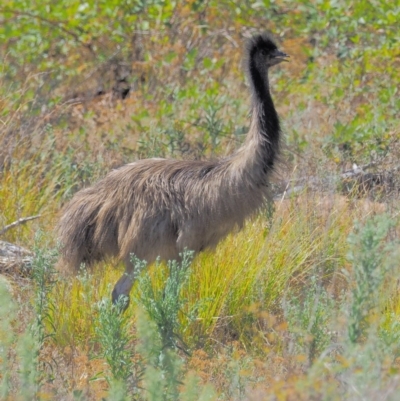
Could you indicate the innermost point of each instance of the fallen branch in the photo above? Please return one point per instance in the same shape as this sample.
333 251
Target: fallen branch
17 223
367 180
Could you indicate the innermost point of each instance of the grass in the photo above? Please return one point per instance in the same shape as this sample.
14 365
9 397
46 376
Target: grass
302 303
249 267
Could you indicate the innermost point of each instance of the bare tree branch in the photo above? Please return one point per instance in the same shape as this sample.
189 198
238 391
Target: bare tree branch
17 223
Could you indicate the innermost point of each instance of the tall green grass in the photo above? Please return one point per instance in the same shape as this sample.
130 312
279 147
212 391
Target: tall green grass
252 267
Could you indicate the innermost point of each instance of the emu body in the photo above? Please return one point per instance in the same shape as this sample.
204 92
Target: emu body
158 207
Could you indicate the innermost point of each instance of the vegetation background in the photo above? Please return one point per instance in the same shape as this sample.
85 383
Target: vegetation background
303 304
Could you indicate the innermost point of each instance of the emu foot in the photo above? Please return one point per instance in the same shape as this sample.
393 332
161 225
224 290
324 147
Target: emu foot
120 301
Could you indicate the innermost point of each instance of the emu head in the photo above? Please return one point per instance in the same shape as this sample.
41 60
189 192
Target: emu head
264 53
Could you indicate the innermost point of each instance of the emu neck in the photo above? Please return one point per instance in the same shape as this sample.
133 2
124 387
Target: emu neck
265 122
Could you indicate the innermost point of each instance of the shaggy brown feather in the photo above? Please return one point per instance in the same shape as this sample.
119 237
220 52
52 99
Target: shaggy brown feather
158 207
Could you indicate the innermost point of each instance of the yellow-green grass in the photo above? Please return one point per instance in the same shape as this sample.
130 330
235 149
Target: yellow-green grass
35 182
253 267
27 188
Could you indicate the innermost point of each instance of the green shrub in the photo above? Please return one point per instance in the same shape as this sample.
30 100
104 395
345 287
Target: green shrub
114 337
372 260
309 317
165 304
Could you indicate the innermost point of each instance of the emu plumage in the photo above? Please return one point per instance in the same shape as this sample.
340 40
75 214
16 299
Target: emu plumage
158 207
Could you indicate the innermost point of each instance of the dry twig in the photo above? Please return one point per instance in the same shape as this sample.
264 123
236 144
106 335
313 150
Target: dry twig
17 223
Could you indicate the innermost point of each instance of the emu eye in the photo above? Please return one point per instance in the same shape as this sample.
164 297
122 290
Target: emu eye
263 52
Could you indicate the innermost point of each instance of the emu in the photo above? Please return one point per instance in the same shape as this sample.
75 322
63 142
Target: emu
158 207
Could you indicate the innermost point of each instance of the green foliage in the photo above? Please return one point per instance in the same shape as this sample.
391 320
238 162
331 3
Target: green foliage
43 275
372 259
163 374
114 337
158 335
112 333
389 334
28 341
7 337
118 391
309 317
165 304
33 372
30 371
212 124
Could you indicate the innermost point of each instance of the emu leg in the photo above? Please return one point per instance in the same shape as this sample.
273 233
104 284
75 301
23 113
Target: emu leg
124 286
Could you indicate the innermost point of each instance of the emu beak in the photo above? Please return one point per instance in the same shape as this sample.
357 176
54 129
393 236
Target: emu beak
279 56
